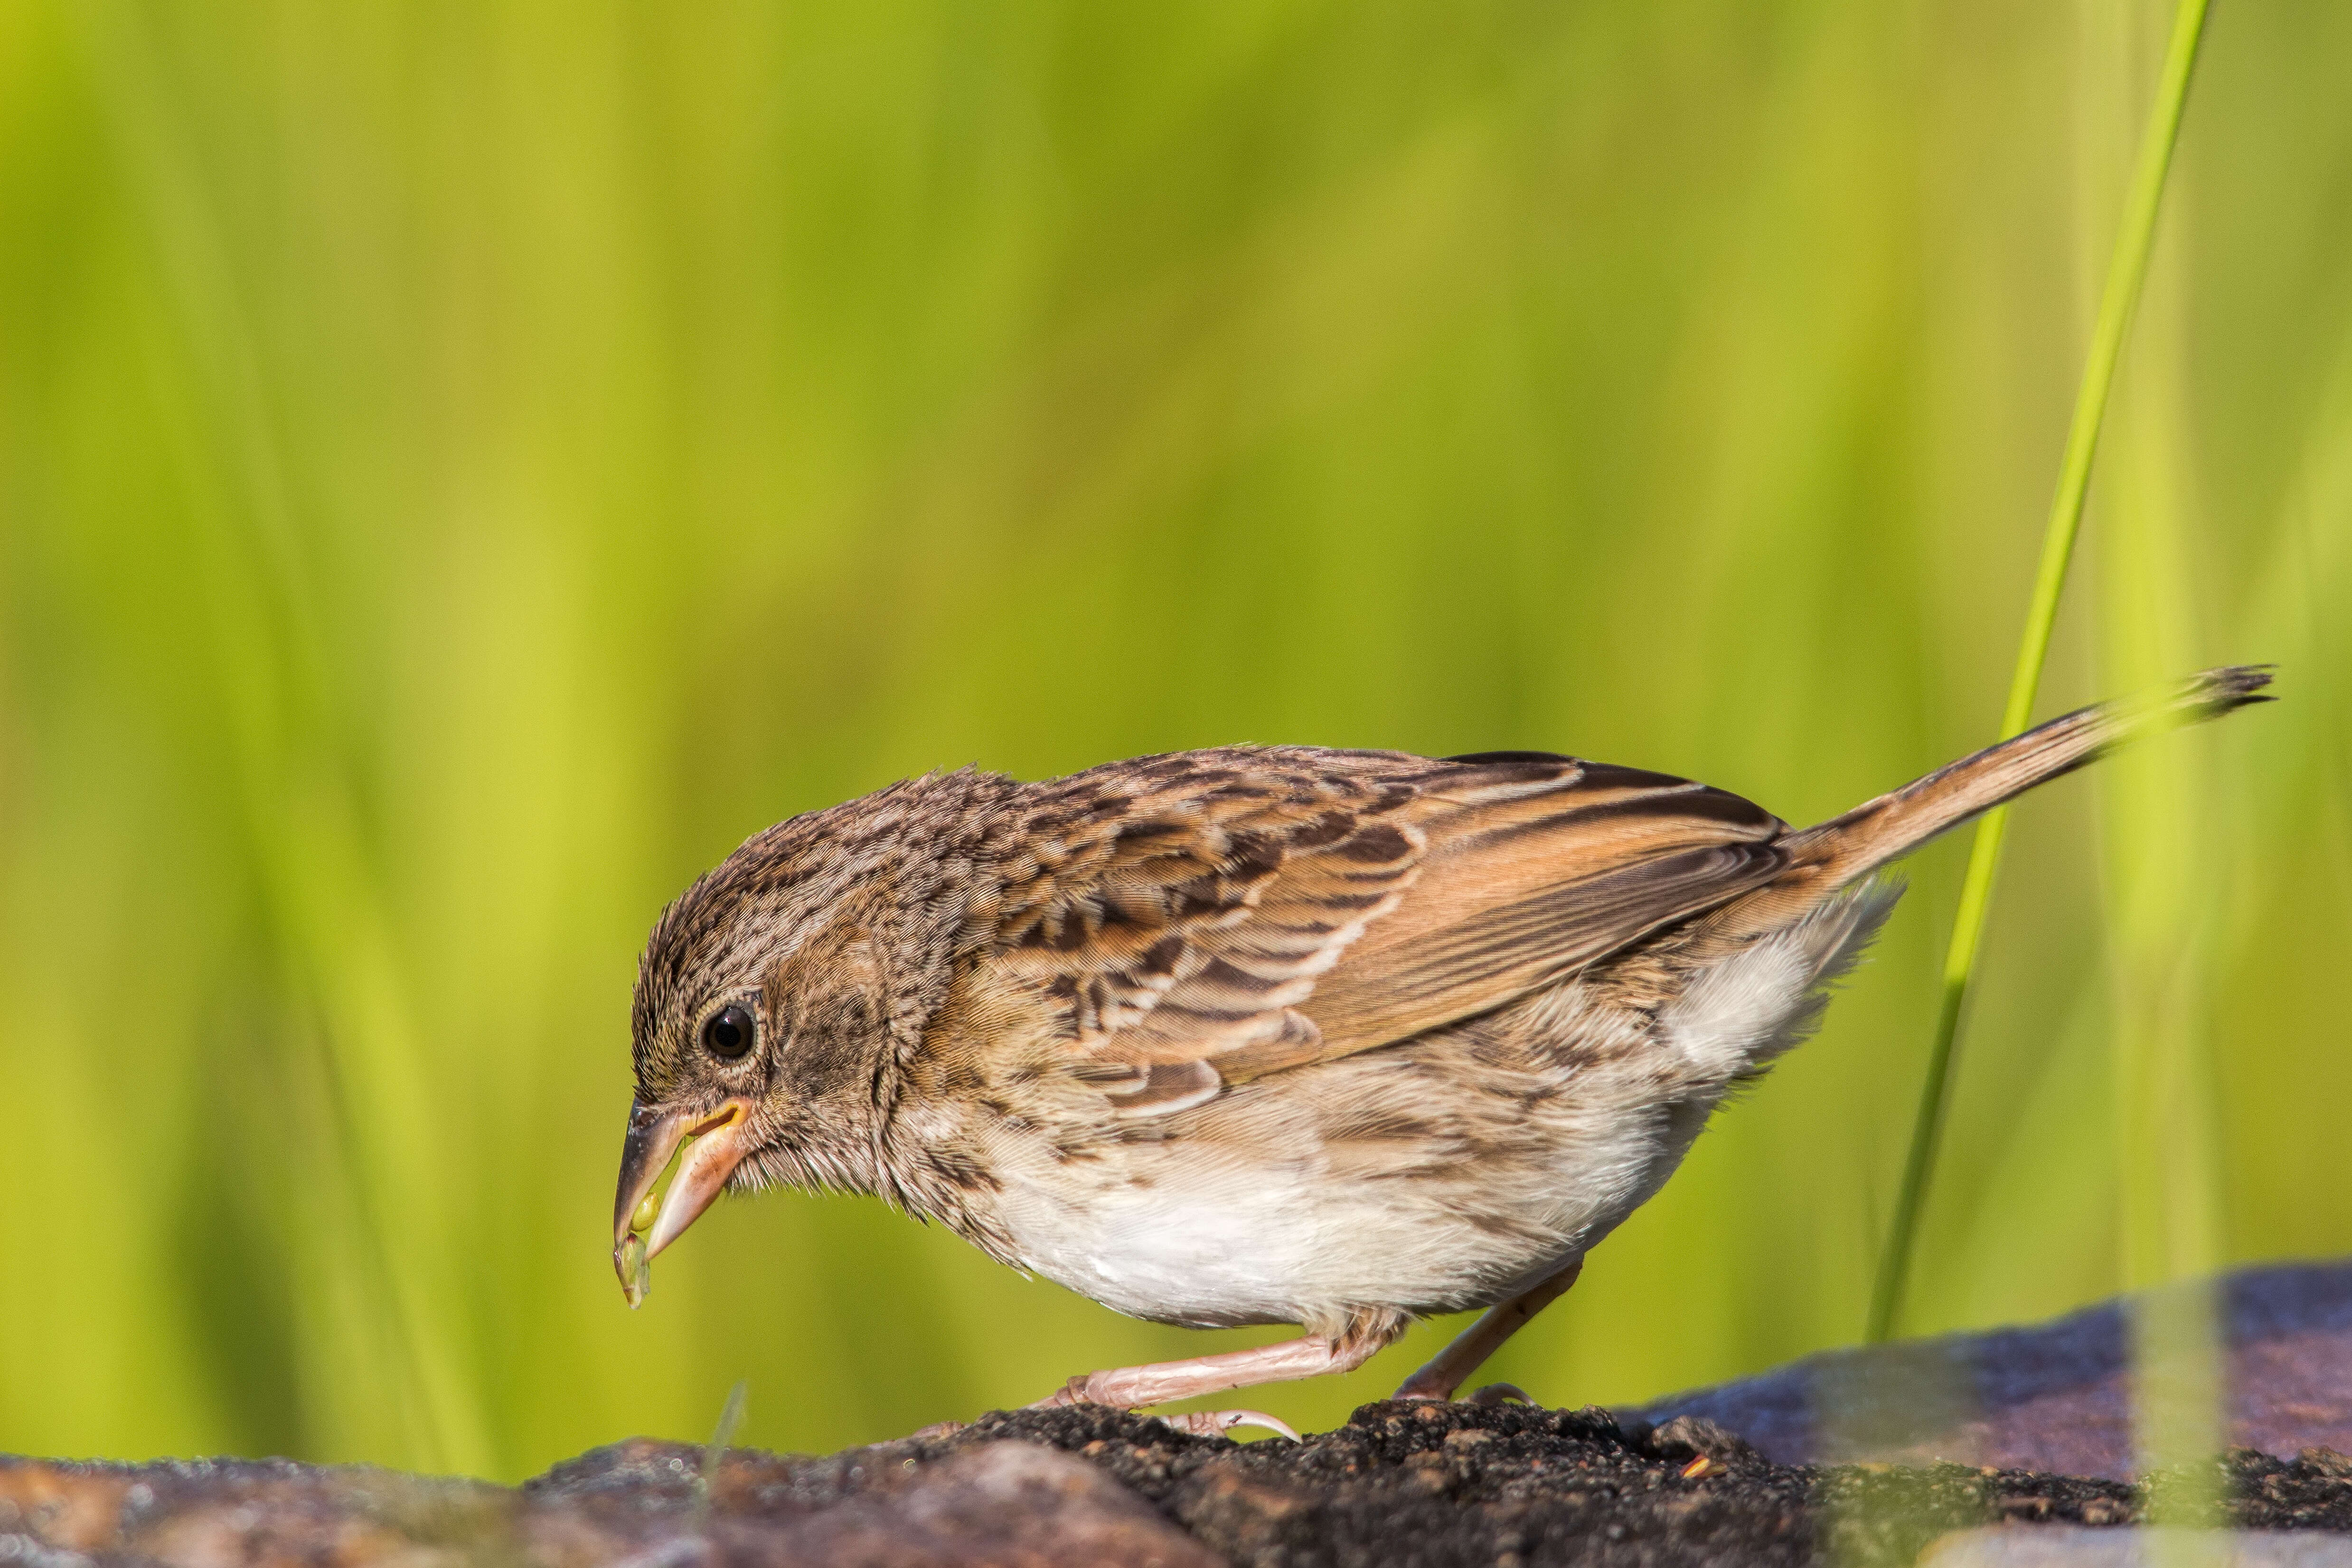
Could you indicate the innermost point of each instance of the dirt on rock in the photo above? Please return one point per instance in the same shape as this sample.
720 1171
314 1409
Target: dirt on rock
1438 1485
1402 1485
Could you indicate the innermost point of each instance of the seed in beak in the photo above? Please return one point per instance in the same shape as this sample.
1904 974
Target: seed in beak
647 1208
636 1273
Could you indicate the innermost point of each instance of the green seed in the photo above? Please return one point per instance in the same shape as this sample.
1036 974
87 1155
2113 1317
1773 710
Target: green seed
636 1271
644 1218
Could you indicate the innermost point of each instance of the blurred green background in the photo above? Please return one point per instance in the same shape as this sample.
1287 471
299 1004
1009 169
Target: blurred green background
463 467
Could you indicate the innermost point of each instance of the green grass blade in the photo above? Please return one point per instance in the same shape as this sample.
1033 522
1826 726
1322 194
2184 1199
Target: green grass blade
2126 269
731 1421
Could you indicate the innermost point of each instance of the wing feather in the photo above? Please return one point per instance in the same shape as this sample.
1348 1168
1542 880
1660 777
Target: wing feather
1206 918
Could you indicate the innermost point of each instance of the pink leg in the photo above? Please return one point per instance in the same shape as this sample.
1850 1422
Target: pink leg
1452 1367
1130 1387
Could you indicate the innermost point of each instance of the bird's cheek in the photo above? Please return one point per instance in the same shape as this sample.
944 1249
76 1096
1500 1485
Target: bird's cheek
818 1066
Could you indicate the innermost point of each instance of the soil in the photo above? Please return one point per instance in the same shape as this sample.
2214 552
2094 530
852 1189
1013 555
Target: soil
1429 1485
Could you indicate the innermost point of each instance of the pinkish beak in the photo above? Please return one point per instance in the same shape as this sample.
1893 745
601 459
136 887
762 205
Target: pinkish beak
719 1141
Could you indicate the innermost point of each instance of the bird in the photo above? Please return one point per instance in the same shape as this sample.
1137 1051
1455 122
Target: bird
1270 1034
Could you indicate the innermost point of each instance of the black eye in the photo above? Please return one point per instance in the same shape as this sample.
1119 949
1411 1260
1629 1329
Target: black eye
727 1033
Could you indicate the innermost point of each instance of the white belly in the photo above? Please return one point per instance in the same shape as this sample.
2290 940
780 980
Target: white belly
1195 1233
1423 1178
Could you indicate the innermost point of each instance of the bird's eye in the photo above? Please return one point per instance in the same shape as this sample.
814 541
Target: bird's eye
727 1033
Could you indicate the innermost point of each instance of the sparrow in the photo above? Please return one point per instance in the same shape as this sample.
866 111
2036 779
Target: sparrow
1269 1034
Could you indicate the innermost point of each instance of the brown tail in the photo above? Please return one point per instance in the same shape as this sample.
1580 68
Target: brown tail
1845 848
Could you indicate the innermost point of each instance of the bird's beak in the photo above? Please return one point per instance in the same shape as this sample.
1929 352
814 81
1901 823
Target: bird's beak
718 1147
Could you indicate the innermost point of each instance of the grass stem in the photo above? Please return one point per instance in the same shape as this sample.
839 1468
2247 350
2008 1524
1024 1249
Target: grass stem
2126 269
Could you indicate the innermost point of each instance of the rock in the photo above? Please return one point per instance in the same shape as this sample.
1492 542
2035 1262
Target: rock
1704 1478
2070 1546
2055 1397
889 1507
1001 1503
1410 1483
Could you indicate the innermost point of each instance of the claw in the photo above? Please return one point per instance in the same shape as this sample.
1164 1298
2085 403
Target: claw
1217 1423
1199 1423
1500 1394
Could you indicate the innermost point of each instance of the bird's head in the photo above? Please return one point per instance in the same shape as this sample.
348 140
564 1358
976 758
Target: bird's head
774 999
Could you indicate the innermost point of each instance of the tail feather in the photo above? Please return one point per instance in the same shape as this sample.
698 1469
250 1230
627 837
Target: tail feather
1876 831
1837 853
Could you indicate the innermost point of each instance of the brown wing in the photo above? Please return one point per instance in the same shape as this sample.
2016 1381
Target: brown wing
1535 867
1177 909
1213 916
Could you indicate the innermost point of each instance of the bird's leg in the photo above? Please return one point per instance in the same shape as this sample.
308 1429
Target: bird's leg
1162 1382
1452 1367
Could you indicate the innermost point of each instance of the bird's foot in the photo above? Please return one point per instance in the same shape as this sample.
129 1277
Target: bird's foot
1492 1393
1500 1394
1073 1392
1217 1423
1199 1423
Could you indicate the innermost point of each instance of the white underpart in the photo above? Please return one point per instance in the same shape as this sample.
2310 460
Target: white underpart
1736 1018
1208 1237
1751 1007
1219 1253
